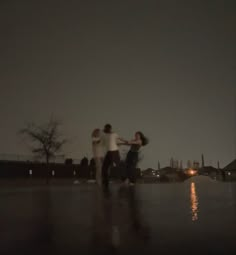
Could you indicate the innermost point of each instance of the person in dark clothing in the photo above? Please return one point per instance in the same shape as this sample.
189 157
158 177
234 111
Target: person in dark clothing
133 157
111 142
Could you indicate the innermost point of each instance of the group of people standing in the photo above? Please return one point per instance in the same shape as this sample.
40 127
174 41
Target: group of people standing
105 144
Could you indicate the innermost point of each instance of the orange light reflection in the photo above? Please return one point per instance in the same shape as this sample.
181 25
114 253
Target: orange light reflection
194 202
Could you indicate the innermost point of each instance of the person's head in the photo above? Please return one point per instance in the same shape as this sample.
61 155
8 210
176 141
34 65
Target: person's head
107 128
96 132
140 136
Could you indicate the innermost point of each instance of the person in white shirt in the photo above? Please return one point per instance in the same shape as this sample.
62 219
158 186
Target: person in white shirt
98 154
111 141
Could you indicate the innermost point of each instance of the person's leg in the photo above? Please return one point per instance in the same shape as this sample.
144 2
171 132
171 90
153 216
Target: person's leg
127 167
132 175
132 167
98 163
124 172
105 167
116 158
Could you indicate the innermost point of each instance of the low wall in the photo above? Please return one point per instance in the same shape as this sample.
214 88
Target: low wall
39 170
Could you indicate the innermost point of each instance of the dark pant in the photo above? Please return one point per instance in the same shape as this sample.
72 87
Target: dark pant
111 158
131 164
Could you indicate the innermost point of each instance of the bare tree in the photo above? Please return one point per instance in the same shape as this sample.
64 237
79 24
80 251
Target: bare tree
46 139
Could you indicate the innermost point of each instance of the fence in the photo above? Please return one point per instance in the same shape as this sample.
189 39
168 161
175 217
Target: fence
32 158
20 169
27 169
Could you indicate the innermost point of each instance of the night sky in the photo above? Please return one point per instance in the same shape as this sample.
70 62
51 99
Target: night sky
167 68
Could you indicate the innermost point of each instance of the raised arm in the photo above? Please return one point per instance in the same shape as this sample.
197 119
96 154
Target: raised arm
120 140
139 142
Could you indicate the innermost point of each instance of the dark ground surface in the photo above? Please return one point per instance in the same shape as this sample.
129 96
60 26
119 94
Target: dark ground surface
62 218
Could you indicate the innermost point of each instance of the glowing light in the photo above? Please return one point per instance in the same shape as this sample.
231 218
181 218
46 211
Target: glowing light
192 172
194 202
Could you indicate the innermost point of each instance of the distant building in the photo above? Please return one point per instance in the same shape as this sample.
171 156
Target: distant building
196 165
211 171
229 171
149 172
203 161
189 164
231 166
174 163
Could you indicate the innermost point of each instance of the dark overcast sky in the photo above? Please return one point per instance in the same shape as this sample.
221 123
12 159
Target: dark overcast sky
164 67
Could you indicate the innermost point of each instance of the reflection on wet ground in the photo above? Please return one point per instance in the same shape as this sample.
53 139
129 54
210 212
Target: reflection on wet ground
190 218
117 223
194 201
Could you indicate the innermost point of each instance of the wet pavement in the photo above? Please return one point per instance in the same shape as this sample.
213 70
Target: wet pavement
186 218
